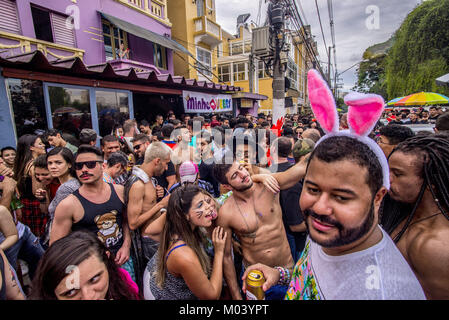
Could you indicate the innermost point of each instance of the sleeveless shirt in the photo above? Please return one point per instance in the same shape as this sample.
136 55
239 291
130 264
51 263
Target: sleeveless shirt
173 289
105 219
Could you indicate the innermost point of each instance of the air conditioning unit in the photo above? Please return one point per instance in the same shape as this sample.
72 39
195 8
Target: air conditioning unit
261 42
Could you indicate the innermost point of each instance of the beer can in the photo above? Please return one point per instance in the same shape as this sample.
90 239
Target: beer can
254 282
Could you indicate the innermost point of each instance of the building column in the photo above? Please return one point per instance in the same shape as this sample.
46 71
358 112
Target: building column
7 126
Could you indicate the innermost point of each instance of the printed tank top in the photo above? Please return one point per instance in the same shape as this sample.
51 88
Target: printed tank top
105 219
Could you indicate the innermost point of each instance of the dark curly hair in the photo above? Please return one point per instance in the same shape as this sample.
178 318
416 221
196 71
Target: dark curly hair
72 250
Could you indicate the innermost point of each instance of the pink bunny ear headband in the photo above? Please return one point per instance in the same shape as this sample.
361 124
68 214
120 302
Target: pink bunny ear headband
363 113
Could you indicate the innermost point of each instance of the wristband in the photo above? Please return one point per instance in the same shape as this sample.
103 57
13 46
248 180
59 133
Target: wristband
284 276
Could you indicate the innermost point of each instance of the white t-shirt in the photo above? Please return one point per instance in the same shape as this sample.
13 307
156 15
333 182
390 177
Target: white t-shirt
377 273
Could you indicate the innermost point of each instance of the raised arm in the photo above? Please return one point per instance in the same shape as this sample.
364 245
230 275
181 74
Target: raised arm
228 263
184 261
284 180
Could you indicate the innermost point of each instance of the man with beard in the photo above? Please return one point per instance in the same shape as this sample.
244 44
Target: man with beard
96 206
254 214
140 144
348 255
419 173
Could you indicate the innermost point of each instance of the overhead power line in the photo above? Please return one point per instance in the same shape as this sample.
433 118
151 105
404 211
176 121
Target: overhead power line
321 26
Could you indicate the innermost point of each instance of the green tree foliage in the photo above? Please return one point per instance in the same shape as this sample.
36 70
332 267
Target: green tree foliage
420 52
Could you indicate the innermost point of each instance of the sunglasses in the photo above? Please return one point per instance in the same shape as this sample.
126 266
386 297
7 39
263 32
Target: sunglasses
89 164
137 146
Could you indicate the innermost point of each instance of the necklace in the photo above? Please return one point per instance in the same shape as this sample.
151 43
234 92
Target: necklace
433 215
249 235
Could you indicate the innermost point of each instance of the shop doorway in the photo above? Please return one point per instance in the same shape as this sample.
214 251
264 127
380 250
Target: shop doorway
148 106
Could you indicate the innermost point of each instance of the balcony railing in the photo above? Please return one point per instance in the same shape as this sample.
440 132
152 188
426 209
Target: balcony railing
209 31
13 44
157 9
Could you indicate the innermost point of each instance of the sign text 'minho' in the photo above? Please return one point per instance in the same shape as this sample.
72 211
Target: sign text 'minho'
196 102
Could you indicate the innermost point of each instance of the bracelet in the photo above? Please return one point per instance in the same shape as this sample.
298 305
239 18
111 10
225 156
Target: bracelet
284 276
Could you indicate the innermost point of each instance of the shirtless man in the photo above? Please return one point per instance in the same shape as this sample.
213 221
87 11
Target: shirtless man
96 207
183 151
143 209
424 239
253 213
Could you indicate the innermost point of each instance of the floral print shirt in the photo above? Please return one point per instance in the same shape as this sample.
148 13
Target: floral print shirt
303 285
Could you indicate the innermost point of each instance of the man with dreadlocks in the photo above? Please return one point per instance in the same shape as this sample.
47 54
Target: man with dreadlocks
419 173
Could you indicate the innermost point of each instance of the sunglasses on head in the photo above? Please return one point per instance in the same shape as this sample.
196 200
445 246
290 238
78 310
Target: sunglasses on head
89 164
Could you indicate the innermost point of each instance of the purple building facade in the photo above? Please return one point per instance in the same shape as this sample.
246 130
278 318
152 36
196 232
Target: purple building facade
79 28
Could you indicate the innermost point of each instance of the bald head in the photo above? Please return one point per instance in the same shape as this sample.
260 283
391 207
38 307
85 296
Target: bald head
312 134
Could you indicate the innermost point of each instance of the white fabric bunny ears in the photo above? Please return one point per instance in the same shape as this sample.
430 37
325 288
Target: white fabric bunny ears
363 113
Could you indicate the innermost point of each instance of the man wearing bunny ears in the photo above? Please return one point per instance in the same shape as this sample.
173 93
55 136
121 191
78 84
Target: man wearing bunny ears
347 254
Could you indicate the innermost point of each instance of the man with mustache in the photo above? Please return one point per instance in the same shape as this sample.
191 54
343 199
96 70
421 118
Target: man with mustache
347 255
254 214
94 201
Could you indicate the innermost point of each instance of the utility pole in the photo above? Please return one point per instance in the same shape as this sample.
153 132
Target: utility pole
251 71
277 20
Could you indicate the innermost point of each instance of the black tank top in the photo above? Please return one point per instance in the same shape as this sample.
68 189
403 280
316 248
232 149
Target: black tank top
3 287
104 219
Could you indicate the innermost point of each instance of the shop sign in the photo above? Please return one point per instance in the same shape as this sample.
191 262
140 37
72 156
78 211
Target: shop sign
197 102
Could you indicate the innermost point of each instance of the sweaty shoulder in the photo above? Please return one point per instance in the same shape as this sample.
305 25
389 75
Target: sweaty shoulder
67 205
181 258
120 191
429 258
137 187
225 213
429 250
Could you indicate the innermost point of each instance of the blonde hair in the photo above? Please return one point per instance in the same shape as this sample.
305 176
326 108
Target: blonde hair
157 150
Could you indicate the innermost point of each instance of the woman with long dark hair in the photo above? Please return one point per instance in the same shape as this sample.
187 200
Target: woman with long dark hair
29 147
79 267
60 163
181 269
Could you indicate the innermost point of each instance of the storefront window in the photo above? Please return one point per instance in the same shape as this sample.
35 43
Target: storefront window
113 108
27 98
70 109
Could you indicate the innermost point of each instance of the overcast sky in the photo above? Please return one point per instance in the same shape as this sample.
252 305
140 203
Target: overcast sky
356 26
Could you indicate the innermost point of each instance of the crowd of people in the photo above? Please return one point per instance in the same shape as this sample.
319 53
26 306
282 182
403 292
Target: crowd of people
185 207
